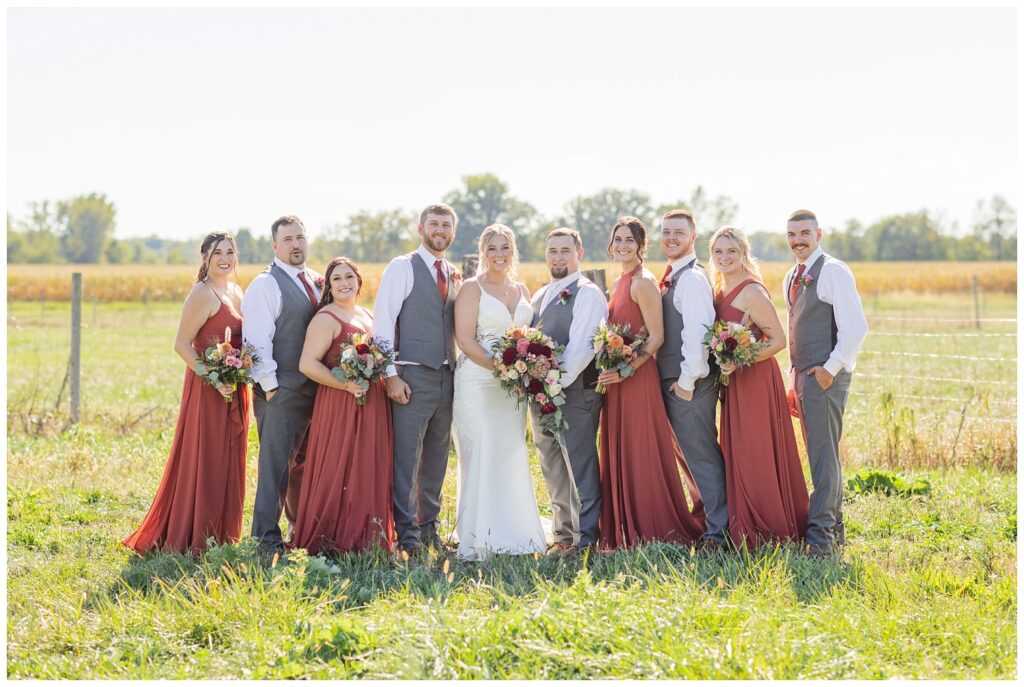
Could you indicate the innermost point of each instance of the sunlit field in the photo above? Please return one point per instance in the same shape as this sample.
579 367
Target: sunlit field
926 587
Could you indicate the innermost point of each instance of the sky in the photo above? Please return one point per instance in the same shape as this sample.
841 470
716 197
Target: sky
191 120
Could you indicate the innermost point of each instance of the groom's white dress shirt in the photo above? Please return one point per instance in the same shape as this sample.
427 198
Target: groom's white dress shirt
695 301
837 287
395 286
261 306
589 309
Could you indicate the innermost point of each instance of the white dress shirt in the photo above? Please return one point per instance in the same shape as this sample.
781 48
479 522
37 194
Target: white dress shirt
395 286
695 301
261 306
589 309
837 287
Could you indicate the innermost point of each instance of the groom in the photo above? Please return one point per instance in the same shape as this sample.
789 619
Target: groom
415 309
569 309
826 329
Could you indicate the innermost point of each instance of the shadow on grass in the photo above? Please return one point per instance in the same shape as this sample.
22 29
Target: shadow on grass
355 580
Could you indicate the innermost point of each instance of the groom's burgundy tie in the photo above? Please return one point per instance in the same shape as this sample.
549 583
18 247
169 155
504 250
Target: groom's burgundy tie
309 289
796 282
664 278
442 283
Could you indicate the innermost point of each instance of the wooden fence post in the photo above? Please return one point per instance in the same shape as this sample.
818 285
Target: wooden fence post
76 345
977 303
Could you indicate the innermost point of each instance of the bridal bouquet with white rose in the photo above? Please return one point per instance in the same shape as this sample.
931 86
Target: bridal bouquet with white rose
526 364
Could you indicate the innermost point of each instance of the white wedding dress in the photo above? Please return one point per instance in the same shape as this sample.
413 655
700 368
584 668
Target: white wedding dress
497 509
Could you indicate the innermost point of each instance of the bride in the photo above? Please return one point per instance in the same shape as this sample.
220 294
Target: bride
497 509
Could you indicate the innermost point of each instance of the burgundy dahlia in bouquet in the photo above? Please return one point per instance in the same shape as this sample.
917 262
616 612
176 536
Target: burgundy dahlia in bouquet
615 348
526 364
732 342
221 364
363 359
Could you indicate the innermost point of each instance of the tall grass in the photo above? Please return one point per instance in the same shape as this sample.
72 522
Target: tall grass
116 283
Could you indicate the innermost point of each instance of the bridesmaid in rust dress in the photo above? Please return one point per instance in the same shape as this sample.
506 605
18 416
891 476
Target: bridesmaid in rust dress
642 496
765 488
345 499
203 486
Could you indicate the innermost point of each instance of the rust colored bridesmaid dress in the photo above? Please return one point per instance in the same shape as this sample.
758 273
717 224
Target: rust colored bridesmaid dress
765 488
201 492
345 499
642 497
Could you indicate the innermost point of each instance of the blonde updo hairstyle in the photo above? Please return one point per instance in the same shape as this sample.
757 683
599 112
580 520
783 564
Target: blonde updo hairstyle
747 261
485 240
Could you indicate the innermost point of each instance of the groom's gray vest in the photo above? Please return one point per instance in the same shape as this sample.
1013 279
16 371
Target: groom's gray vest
812 323
555 321
290 332
670 355
425 330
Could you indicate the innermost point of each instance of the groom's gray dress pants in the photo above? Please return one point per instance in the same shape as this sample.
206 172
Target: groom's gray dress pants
822 423
693 423
422 435
281 424
569 463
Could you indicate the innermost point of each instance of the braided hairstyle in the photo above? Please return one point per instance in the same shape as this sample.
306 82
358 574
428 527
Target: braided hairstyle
206 248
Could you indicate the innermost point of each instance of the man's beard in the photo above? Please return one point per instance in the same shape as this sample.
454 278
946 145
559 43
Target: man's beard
445 242
296 259
559 272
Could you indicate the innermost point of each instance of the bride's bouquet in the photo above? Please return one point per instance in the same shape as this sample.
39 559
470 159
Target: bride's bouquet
732 342
363 359
526 364
615 348
224 365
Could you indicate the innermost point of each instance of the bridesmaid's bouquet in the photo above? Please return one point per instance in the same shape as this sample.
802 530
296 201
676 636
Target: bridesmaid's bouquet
615 348
223 364
526 364
732 342
363 359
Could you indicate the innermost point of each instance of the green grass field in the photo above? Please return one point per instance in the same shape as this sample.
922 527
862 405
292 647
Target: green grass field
925 589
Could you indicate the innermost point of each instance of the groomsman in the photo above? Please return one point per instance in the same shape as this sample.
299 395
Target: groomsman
689 389
415 309
276 309
826 329
569 309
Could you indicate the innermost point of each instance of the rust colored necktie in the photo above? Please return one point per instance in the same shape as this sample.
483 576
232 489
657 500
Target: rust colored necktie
442 283
309 289
796 282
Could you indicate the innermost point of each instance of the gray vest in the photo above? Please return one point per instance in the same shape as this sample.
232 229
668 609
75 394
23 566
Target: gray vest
555 321
425 330
670 355
290 332
812 324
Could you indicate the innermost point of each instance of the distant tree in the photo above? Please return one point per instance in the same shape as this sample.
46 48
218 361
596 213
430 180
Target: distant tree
34 239
367 237
485 200
846 244
908 236
595 215
996 225
769 246
87 224
253 250
118 252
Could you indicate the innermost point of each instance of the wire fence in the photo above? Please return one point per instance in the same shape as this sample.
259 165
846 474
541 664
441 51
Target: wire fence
918 373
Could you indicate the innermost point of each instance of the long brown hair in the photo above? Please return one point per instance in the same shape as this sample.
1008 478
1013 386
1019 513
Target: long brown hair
206 249
637 229
327 296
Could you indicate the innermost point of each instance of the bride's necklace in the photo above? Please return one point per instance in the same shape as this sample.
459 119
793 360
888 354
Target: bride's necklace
505 288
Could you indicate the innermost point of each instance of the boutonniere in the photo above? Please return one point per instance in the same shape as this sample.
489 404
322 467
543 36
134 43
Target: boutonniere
319 281
665 283
456 277
564 296
805 280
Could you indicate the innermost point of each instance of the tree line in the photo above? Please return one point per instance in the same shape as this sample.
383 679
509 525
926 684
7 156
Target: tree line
82 230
